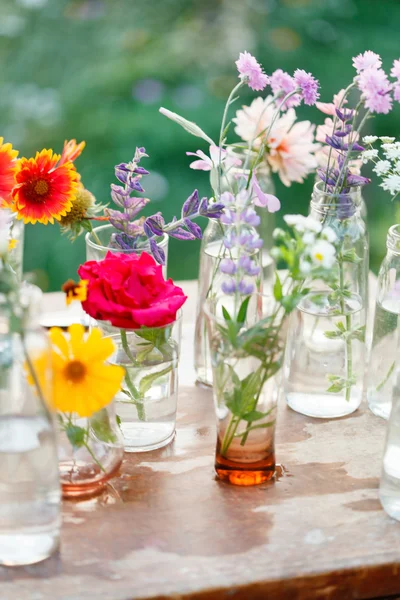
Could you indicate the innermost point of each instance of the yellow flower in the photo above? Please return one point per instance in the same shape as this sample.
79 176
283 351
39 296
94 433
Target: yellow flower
12 244
75 291
82 382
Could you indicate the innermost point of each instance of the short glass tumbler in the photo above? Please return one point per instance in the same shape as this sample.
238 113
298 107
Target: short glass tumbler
325 352
99 242
383 382
147 403
30 498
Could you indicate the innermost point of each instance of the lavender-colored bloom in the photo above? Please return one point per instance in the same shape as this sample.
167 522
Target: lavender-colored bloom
228 218
119 194
251 72
309 86
250 217
154 225
343 132
357 180
375 88
334 141
344 116
157 252
214 211
262 199
228 287
131 168
227 266
248 266
254 242
245 288
227 198
194 228
191 205
283 84
121 175
395 72
123 241
181 234
367 60
134 183
230 240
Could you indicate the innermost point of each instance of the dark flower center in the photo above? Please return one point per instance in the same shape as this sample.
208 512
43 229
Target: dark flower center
41 187
75 371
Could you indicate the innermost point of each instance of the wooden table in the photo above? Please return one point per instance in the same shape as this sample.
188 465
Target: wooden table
167 529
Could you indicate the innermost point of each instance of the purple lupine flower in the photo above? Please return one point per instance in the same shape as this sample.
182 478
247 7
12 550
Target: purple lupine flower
228 287
283 84
308 85
227 266
262 199
254 242
245 288
191 205
250 217
157 252
227 198
248 266
251 72
367 60
228 218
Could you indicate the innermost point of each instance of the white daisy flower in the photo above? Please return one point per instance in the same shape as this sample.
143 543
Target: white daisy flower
370 139
391 184
309 238
323 254
329 234
386 139
382 167
369 155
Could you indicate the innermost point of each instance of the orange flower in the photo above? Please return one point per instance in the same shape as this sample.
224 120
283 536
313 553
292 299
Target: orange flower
71 151
44 190
8 165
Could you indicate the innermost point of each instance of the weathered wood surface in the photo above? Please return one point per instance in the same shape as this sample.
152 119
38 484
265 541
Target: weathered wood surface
167 529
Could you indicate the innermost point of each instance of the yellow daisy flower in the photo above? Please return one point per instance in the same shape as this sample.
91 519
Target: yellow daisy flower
82 382
75 291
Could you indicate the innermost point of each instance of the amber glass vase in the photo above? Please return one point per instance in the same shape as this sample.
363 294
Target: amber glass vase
245 396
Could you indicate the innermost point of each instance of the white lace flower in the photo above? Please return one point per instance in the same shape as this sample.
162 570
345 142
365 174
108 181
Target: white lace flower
369 155
382 167
302 223
323 254
391 184
309 238
329 234
370 139
386 139
391 150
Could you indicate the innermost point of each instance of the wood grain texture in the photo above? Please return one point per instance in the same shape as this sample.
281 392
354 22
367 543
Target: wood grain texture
167 529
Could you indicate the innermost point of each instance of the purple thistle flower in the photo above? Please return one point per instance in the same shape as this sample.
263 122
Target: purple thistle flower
367 60
308 85
251 72
191 205
157 252
228 287
283 84
227 266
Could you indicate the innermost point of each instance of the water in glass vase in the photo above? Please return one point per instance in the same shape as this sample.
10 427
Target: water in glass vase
389 489
383 374
318 358
29 490
148 422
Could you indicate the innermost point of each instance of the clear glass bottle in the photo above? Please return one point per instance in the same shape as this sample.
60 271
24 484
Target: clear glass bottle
16 241
383 369
389 488
212 252
326 352
29 480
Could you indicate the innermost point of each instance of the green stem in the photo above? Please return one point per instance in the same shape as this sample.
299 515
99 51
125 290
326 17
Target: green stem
98 463
229 434
93 232
135 395
227 105
349 349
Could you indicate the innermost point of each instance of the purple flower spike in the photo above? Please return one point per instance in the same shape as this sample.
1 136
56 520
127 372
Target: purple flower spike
194 228
214 211
154 225
181 234
119 194
229 217
134 184
344 116
191 205
250 217
334 141
228 287
353 147
227 266
357 180
157 252
121 175
245 288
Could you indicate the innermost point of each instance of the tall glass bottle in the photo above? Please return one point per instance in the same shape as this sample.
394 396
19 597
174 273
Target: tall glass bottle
212 251
383 369
325 353
389 488
29 480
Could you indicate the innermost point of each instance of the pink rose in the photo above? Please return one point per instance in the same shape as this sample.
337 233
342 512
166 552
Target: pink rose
130 291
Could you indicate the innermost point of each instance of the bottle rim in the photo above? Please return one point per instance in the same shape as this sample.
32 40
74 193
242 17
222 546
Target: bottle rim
393 239
323 201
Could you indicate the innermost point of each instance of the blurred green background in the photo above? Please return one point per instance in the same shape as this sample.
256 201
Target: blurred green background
97 70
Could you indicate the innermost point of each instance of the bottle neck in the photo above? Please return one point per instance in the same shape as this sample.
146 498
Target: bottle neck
393 240
341 206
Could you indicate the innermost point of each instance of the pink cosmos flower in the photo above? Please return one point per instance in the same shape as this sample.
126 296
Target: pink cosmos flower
366 61
395 72
282 84
330 108
251 71
261 199
206 163
309 86
290 145
375 88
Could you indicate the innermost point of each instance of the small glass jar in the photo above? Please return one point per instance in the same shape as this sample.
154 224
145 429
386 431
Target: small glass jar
98 244
147 403
245 395
325 352
383 369
389 488
90 451
30 498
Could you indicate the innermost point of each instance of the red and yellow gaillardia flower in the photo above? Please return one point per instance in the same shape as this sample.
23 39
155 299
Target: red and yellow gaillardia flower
71 151
8 164
44 190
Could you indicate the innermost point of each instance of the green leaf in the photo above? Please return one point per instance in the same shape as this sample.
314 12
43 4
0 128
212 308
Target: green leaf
147 381
331 335
118 419
100 424
76 435
255 415
188 125
358 334
350 256
277 288
241 318
226 315
225 132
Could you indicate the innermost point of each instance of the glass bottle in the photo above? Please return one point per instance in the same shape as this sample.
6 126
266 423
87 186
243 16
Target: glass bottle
383 369
212 251
29 480
325 352
389 488
16 242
